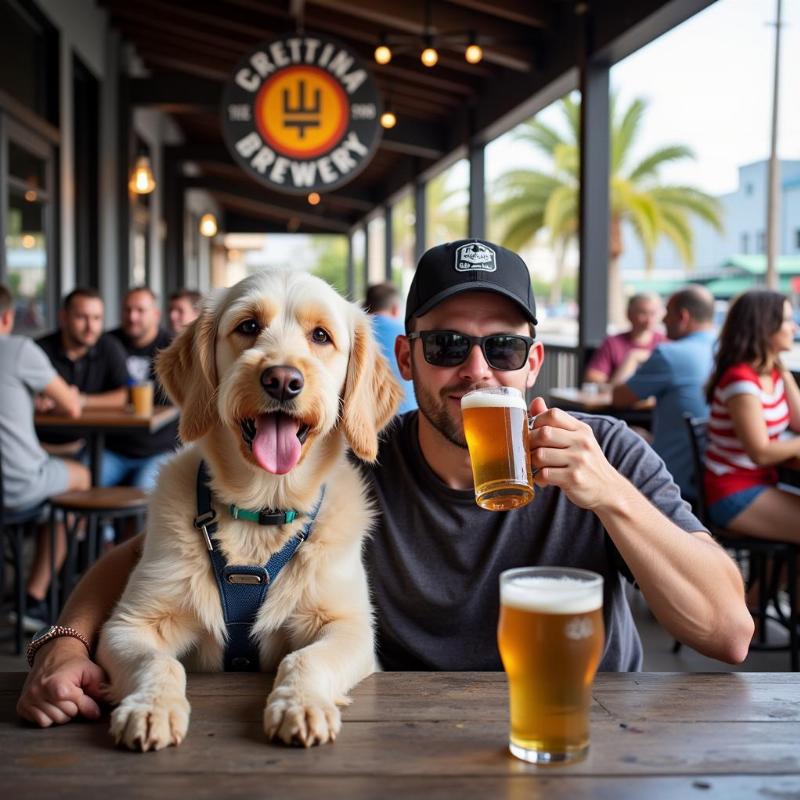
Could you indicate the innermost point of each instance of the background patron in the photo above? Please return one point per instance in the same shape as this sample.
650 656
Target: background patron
618 356
134 459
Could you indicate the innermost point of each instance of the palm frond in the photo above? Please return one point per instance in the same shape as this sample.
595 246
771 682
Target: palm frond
539 135
623 133
561 212
675 226
648 167
703 205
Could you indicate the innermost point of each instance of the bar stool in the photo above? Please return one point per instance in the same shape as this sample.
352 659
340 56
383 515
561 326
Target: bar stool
96 505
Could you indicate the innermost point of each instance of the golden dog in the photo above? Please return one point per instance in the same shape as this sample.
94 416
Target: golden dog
275 379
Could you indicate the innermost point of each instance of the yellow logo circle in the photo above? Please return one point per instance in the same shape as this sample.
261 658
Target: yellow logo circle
302 112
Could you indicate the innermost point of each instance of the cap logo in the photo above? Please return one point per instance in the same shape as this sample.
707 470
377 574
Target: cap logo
475 256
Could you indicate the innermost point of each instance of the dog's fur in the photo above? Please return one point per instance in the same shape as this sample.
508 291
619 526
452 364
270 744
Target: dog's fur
316 626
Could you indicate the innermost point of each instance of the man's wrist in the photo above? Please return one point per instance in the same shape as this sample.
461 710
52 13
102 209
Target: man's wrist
58 638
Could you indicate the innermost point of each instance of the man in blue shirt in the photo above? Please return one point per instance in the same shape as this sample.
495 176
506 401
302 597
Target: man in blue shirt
676 374
384 304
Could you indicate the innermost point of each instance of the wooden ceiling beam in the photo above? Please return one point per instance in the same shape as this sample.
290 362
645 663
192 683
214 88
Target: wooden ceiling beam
503 38
223 176
263 204
533 13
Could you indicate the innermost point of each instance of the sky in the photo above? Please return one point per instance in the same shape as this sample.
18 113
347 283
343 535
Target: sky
708 83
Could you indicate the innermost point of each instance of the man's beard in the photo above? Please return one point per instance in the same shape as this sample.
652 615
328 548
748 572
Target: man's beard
434 409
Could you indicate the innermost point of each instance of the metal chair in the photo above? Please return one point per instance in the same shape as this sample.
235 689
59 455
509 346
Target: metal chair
762 561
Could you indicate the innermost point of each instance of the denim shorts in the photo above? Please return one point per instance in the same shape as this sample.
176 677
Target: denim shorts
723 511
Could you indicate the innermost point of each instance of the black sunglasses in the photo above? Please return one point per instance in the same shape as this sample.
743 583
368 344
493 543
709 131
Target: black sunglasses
503 351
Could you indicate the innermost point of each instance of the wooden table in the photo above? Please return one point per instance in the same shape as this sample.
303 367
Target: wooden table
572 399
434 735
94 425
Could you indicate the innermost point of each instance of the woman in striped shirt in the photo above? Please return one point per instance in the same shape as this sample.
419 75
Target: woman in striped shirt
754 400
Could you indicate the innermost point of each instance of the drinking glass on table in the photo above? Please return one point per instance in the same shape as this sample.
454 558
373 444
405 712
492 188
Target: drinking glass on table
142 398
550 636
496 428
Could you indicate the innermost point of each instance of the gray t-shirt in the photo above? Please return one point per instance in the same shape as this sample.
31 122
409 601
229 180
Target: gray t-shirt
435 556
24 371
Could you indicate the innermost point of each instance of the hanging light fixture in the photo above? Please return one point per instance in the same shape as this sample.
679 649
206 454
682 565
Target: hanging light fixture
208 225
141 179
474 52
383 53
388 117
429 56
429 41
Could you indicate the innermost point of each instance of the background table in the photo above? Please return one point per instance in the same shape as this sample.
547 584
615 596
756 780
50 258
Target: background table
572 399
94 425
434 735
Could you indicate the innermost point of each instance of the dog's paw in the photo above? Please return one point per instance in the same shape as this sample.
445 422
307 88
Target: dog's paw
143 722
297 719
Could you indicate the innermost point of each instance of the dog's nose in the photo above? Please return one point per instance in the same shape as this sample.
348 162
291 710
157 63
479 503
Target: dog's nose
282 383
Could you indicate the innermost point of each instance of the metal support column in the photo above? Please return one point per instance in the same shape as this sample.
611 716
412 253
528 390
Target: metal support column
420 219
477 192
594 196
351 271
388 243
366 257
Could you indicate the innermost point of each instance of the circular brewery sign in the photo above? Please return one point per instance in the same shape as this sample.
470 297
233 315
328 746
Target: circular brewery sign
300 114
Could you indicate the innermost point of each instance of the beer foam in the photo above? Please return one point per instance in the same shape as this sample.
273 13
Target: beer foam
492 400
552 595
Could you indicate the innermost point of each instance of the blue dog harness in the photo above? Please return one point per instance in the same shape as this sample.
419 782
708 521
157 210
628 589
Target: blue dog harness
243 588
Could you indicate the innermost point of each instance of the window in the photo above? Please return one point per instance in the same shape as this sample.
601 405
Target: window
797 239
748 188
745 242
29 268
760 243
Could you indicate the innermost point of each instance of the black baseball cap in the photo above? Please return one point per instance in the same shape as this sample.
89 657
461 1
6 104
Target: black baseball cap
469 265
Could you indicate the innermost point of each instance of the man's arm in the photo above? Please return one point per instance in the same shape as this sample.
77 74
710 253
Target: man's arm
66 398
689 582
116 398
651 378
64 681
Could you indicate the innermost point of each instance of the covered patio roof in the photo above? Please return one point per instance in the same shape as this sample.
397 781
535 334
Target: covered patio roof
533 51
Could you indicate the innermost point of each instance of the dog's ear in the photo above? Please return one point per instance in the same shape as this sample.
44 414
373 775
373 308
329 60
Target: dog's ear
371 393
187 371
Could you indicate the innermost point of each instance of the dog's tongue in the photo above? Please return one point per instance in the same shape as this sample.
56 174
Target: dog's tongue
276 446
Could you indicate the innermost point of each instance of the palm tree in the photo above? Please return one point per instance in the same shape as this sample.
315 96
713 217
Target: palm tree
532 200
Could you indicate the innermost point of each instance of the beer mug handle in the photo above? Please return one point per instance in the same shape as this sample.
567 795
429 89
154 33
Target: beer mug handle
534 470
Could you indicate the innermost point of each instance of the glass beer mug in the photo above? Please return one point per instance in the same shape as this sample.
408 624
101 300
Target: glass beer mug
550 636
496 429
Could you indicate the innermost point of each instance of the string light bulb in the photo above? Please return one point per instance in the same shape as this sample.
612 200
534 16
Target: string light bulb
383 54
141 179
388 119
208 225
474 52
429 56
314 199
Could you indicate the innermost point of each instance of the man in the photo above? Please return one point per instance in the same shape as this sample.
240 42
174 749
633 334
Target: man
30 475
383 303
676 374
618 356
91 362
134 459
184 307
435 557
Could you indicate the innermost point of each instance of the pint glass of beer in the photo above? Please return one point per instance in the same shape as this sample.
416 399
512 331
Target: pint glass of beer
496 427
550 637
